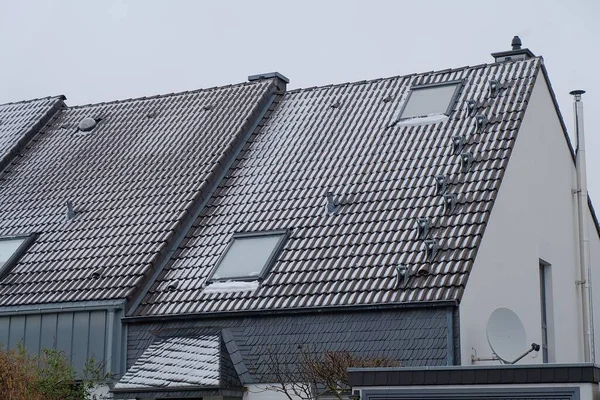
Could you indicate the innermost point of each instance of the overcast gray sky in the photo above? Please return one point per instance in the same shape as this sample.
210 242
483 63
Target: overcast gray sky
94 51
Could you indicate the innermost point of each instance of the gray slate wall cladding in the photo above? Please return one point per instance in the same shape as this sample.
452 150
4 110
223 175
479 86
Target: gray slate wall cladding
414 337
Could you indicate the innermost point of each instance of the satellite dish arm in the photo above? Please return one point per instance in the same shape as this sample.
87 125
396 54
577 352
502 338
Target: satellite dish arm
534 347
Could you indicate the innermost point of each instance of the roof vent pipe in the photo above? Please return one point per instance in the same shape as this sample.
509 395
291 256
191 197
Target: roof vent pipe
584 240
423 270
97 273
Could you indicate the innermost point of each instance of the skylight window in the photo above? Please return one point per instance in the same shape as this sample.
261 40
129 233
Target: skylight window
428 100
11 248
249 256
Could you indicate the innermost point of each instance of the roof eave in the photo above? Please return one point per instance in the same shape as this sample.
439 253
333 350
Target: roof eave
289 311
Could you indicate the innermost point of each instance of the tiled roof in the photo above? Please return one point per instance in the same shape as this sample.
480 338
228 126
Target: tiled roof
342 139
132 181
177 362
19 120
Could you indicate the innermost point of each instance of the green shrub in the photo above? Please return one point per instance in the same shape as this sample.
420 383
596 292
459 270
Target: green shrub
48 377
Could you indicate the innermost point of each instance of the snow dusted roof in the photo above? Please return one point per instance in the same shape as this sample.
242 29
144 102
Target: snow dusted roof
20 121
346 139
156 199
176 362
133 182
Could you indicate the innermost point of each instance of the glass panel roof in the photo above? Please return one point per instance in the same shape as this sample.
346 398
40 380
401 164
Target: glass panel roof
429 101
247 257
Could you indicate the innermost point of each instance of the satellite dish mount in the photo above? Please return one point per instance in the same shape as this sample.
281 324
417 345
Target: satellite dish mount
506 337
534 347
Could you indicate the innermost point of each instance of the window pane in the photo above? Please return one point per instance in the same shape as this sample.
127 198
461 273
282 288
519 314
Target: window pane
8 248
247 257
546 311
428 101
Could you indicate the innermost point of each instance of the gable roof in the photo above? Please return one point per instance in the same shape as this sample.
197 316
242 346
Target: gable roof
343 139
20 121
133 181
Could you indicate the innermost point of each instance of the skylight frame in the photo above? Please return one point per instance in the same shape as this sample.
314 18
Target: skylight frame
459 84
28 240
283 233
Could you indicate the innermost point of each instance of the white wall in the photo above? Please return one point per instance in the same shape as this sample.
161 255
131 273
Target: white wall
534 218
263 392
595 278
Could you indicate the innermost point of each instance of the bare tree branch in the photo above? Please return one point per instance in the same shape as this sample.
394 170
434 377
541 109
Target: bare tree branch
313 375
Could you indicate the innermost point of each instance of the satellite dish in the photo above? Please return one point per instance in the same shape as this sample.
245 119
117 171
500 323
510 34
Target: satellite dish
506 335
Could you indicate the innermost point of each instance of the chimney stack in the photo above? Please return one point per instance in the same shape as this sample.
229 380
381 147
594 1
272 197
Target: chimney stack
517 53
282 80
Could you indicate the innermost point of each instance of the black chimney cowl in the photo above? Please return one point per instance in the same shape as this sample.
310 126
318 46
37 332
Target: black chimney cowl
516 43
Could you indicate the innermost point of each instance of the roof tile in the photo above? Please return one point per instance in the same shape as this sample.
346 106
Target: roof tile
384 175
131 181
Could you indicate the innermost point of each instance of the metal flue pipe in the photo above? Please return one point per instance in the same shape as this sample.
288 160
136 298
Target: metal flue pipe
584 238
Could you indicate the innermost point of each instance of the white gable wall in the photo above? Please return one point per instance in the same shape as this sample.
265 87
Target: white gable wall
595 257
534 218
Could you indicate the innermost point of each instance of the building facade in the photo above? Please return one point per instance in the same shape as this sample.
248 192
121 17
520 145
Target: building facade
201 244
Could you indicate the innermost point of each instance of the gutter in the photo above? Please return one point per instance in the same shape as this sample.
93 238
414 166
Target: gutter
166 389
191 391
287 311
62 307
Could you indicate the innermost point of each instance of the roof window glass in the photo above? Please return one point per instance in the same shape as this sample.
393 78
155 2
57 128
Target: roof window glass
10 249
430 100
249 256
